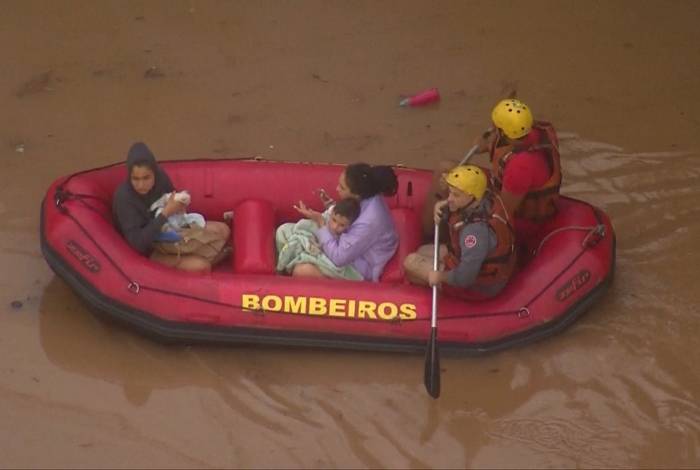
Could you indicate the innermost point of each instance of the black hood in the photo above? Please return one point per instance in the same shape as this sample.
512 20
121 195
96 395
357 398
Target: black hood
140 155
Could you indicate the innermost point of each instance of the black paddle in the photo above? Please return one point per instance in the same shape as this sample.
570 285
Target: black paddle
432 355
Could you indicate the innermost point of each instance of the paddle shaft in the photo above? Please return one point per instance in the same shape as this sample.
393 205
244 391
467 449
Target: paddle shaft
469 154
436 253
432 356
513 93
474 148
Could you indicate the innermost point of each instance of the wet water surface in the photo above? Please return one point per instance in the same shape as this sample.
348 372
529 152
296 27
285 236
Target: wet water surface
321 81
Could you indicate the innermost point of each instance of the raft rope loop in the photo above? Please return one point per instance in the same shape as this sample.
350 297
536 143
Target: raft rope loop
62 195
594 235
65 196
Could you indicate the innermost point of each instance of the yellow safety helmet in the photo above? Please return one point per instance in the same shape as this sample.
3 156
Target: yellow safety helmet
470 179
513 117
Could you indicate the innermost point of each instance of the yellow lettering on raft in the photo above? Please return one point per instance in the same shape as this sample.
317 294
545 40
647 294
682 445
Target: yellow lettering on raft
408 311
387 311
366 308
294 304
317 306
272 303
351 308
337 308
250 302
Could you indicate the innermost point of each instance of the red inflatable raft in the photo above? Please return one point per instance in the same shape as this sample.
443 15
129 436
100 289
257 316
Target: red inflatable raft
244 300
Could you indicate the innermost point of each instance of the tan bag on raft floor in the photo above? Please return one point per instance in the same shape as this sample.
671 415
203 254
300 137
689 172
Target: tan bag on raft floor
195 241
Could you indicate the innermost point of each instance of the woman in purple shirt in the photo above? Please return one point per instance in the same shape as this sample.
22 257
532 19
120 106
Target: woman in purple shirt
371 240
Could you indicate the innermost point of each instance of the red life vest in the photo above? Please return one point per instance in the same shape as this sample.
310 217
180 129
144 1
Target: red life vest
500 262
539 203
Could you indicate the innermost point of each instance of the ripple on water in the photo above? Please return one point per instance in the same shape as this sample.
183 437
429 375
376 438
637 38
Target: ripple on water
651 198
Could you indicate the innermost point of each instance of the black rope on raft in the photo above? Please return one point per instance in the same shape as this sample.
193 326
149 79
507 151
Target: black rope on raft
136 288
111 165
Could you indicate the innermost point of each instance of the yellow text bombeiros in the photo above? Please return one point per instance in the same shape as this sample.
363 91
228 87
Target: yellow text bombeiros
334 308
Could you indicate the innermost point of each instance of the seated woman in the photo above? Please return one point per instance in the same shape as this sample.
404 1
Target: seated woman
131 204
297 242
372 239
480 257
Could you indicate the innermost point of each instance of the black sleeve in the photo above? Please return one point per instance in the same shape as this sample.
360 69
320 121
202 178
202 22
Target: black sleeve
138 228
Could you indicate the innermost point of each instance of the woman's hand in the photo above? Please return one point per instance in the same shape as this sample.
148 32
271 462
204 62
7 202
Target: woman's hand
440 207
172 206
310 213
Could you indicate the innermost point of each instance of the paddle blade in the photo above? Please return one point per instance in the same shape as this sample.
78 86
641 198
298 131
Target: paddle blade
432 366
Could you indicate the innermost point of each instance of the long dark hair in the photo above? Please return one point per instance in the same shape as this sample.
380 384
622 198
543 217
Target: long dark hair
367 181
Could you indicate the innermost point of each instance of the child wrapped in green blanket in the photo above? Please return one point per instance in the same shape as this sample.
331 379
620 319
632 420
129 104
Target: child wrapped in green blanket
297 242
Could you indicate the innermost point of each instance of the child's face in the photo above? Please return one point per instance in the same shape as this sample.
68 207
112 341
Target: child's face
338 224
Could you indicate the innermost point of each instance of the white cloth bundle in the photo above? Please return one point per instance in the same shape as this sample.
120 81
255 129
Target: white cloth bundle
181 220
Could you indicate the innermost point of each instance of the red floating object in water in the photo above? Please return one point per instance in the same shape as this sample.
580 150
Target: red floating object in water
424 97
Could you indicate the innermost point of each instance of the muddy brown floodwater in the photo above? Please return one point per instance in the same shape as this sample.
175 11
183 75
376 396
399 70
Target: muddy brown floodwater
320 81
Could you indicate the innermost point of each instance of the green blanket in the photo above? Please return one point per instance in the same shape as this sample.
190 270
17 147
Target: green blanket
297 243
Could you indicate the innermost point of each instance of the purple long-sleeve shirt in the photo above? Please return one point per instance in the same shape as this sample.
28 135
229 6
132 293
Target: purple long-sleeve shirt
368 244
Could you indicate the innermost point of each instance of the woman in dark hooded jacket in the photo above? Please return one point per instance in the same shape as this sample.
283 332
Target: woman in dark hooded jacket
131 204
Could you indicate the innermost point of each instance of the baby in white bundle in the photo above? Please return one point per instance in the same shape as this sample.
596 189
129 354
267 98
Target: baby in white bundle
181 220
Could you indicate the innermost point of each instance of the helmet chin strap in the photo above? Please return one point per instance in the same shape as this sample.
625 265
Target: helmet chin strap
471 203
473 207
469 207
466 212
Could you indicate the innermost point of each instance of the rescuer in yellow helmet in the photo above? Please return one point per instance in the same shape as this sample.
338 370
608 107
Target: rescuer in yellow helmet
525 167
479 258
